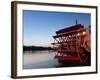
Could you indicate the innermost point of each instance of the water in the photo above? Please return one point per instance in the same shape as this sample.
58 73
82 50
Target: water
39 59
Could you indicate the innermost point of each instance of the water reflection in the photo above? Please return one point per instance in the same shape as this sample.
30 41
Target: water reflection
39 59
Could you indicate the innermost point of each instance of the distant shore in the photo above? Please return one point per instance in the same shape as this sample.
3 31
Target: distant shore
35 48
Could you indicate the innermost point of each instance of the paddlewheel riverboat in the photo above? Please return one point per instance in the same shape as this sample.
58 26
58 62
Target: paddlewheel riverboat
72 45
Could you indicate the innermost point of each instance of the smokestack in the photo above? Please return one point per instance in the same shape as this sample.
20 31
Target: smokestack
76 21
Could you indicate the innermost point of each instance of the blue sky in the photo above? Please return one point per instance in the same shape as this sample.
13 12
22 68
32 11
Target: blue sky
40 26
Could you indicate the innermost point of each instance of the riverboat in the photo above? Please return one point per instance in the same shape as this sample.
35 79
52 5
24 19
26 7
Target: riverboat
69 45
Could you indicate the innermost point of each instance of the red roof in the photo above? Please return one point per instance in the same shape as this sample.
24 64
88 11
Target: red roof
75 27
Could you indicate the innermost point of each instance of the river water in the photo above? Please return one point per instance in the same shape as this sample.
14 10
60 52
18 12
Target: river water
39 59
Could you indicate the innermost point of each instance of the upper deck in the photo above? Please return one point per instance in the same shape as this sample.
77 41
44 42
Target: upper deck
69 31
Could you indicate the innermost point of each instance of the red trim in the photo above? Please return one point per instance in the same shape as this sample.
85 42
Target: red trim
67 57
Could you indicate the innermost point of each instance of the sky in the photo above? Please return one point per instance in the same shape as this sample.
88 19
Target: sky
40 26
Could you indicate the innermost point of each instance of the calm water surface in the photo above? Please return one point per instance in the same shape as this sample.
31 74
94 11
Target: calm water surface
39 59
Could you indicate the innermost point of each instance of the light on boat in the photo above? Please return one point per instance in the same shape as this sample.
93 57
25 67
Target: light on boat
84 33
78 34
